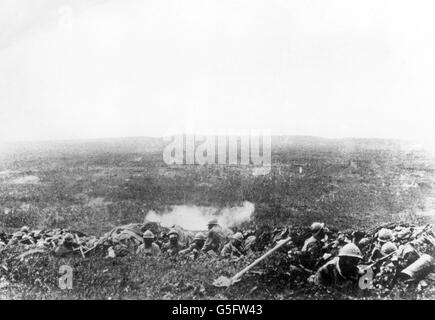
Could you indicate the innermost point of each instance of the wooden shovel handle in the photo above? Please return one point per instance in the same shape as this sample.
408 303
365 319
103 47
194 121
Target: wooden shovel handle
264 256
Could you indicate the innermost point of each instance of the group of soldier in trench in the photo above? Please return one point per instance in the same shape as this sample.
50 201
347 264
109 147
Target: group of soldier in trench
337 263
327 262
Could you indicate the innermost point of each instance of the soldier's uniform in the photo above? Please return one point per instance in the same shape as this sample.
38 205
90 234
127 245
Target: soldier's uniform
196 246
193 249
330 275
249 243
214 239
384 236
230 250
234 248
172 248
153 250
312 250
312 246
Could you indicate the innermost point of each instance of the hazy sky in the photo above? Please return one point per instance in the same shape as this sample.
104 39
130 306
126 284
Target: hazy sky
87 69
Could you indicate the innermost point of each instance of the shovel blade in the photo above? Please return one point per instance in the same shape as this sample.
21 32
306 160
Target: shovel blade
222 282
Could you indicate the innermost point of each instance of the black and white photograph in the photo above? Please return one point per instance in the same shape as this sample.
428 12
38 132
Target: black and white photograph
235 151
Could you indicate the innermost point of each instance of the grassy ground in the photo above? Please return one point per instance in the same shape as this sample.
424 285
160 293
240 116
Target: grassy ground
100 187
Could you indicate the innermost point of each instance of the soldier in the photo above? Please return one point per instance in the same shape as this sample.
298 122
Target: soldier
66 248
403 235
357 236
364 243
407 254
214 238
384 236
342 271
173 246
315 243
388 248
196 247
387 271
313 247
234 248
148 248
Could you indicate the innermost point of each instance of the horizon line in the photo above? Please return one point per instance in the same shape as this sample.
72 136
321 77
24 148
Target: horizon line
69 140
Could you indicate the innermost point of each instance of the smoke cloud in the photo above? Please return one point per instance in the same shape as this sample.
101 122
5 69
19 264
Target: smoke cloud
196 218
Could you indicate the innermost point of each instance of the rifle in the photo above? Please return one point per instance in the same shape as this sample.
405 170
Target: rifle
379 260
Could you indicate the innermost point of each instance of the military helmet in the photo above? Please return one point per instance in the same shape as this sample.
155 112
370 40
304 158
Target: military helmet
173 233
317 227
363 242
350 250
237 236
385 235
388 248
24 229
199 236
148 235
212 222
404 234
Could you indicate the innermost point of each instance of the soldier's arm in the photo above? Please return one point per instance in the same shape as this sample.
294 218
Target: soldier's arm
241 252
139 250
207 244
323 277
225 251
304 248
188 249
185 251
157 249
